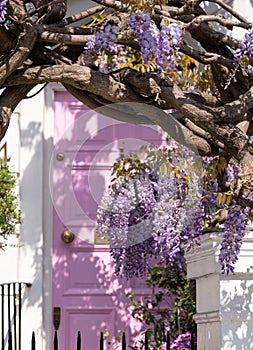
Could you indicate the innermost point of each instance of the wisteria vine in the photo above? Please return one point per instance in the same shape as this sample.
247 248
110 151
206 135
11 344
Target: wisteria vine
233 233
158 46
143 216
155 214
160 209
244 53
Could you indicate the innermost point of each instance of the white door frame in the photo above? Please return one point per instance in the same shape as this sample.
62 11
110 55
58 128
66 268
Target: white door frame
47 214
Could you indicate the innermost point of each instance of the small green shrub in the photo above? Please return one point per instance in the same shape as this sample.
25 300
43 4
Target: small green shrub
171 306
10 214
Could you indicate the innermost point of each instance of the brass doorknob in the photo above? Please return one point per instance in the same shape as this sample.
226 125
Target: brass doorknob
60 156
67 236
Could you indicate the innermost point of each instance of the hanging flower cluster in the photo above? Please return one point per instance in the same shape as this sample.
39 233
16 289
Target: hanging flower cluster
234 231
232 172
3 10
149 213
158 207
105 40
245 51
160 46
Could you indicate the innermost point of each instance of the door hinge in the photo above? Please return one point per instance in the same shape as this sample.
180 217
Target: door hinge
56 317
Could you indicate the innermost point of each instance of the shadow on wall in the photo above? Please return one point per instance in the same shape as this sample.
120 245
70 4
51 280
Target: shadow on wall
237 305
30 251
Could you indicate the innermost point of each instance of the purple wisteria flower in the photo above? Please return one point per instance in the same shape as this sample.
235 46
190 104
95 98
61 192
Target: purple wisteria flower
249 69
245 49
103 40
153 216
3 10
178 217
207 160
191 234
245 46
170 220
113 215
210 196
162 46
250 196
125 214
106 39
231 173
133 261
160 211
233 234
146 32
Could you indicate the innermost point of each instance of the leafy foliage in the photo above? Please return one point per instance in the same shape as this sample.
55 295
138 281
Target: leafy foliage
159 48
170 307
142 4
192 77
10 215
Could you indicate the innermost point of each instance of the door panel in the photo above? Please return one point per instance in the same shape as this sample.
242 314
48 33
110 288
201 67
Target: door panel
90 296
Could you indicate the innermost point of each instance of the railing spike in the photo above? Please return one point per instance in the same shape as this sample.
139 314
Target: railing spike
33 341
146 341
9 340
55 340
192 346
2 314
123 341
19 313
101 341
9 316
168 340
78 343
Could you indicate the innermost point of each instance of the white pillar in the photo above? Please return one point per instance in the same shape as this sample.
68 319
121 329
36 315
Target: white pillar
224 303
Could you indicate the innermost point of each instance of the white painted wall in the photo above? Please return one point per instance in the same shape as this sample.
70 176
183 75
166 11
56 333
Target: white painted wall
31 238
224 302
24 261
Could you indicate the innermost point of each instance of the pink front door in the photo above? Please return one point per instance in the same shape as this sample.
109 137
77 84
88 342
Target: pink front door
85 290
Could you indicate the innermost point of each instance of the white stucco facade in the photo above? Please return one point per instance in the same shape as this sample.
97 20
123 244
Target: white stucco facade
25 261
224 302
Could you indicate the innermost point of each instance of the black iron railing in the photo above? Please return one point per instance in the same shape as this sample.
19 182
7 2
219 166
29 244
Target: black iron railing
11 317
81 346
